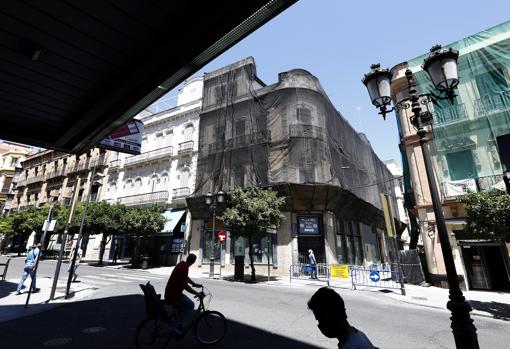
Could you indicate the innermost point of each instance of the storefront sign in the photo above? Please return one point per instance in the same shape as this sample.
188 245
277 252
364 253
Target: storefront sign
339 271
309 225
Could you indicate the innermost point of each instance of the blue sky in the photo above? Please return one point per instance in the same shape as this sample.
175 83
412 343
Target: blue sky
338 40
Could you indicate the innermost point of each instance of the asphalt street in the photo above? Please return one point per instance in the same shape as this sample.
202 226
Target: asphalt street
259 315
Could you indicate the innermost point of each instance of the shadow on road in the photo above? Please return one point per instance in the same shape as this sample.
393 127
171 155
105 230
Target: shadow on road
498 310
111 323
7 288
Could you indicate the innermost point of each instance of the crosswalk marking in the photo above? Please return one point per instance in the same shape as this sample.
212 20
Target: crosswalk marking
101 278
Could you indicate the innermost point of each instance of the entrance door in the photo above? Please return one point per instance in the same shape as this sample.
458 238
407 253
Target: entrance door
486 267
316 243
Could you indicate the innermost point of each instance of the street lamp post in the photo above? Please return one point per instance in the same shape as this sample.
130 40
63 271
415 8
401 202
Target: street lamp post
211 201
441 65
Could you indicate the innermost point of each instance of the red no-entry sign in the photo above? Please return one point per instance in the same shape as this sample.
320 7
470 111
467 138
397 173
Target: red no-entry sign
222 236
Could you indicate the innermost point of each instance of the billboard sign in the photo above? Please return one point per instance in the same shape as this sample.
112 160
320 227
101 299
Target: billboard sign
309 225
125 139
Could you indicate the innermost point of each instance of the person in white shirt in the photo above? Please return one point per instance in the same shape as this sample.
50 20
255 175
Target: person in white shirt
329 310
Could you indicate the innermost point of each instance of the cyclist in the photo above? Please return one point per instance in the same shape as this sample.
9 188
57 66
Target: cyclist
177 283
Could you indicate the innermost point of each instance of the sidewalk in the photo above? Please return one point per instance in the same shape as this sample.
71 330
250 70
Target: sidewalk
484 303
13 306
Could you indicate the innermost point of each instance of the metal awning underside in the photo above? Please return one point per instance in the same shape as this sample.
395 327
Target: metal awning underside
73 71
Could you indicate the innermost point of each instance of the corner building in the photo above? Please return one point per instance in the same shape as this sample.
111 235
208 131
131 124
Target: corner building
289 137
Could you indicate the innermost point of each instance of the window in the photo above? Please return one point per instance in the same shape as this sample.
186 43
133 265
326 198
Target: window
154 183
169 138
304 115
461 165
260 248
137 186
240 127
163 182
159 140
184 176
188 133
14 161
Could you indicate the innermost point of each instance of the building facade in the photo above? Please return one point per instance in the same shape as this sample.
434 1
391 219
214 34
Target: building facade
164 173
470 142
288 137
50 176
11 157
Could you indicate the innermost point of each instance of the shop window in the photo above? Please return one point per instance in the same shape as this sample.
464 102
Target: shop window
259 247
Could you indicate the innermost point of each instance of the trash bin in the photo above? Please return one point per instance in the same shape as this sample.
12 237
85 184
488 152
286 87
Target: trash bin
145 262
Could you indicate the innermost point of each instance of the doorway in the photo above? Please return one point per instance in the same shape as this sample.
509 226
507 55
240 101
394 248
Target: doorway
487 266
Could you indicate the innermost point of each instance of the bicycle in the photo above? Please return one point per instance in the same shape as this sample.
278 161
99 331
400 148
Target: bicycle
209 326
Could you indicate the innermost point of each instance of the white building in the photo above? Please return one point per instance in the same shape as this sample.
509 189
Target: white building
164 173
398 185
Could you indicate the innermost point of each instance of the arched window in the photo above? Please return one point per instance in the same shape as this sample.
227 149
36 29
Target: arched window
188 133
137 186
163 182
112 188
154 183
128 188
185 174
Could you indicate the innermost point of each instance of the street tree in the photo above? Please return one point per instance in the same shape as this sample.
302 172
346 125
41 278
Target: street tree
488 214
26 221
143 222
251 213
106 219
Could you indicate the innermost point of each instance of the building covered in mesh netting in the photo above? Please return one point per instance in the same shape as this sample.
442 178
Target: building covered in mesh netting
288 136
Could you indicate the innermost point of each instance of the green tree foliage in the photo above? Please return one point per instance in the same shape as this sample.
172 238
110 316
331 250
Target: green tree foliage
5 225
25 221
251 212
144 221
488 214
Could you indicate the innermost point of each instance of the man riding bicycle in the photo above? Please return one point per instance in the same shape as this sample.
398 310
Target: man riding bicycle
177 283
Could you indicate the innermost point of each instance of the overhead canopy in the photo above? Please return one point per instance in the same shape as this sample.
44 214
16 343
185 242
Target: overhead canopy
172 219
72 72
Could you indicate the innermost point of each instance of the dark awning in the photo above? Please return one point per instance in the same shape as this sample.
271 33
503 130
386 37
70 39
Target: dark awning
71 72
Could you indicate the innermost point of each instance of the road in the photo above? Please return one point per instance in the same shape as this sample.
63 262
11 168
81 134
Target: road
260 316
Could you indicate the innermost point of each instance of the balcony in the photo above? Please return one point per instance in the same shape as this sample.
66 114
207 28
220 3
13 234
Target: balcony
447 115
114 164
452 189
180 193
306 131
493 104
149 156
185 147
59 172
35 179
159 197
4 191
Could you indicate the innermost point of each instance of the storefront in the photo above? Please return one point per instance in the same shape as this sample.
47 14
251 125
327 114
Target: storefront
486 264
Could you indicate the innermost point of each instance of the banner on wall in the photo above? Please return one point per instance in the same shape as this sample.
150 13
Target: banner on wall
125 139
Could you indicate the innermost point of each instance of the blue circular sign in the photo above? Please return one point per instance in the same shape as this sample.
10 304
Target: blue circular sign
374 276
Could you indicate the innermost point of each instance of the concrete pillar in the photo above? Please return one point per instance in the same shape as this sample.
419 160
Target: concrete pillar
329 238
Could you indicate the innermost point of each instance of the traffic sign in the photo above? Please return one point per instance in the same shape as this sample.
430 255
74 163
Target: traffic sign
374 276
222 236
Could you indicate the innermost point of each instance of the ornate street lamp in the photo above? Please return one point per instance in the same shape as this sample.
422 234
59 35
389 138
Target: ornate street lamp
441 65
211 201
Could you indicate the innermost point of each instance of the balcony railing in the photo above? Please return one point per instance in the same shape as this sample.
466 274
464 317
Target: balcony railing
185 147
35 179
150 155
59 172
145 199
114 164
306 131
453 113
493 103
452 189
180 193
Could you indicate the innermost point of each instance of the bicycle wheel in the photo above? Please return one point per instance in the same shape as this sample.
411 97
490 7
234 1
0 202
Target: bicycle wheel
210 327
152 333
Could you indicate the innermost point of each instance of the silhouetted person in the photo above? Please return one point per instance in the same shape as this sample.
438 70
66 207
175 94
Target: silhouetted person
329 310
30 263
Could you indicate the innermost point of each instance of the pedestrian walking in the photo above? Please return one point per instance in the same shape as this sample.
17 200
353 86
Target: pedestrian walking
329 310
313 264
116 253
76 264
30 263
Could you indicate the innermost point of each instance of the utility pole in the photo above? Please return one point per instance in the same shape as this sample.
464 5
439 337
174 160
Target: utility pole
64 238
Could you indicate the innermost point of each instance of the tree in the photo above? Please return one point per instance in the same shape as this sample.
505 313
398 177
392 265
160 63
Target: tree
106 219
250 213
26 221
488 214
143 222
